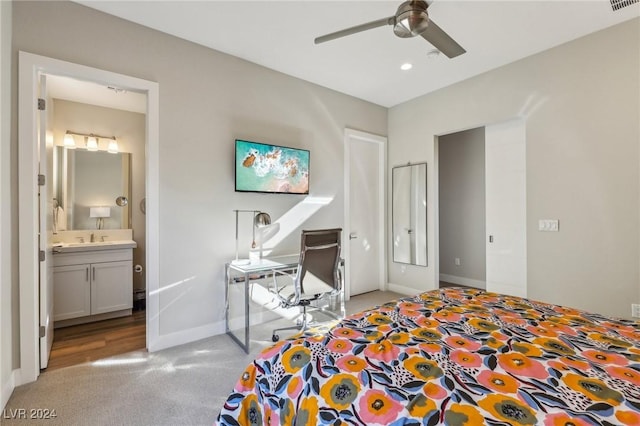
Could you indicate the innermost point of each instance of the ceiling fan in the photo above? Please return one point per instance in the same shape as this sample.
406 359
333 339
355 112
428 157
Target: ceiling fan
411 19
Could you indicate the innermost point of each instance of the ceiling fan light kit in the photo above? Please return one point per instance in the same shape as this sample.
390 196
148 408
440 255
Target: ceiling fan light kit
411 19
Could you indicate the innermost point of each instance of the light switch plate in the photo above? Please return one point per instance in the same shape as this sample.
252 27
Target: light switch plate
549 225
635 310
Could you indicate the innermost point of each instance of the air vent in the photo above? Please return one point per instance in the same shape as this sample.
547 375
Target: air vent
619 4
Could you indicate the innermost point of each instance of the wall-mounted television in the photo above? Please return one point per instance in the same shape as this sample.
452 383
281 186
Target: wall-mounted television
269 168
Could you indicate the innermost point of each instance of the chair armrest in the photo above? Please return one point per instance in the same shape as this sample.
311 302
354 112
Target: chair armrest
275 288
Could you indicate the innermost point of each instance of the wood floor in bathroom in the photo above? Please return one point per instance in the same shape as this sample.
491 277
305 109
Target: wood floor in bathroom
89 342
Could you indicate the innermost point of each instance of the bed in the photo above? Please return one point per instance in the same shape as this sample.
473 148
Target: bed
451 356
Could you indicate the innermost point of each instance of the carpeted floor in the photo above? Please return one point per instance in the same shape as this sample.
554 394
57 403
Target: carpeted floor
186 385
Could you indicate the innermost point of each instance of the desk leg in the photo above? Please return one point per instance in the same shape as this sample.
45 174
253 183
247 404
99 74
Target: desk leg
243 344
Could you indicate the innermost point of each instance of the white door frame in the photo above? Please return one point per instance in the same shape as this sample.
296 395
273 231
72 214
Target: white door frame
29 67
381 141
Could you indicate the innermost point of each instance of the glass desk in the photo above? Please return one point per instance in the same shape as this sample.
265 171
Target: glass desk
238 278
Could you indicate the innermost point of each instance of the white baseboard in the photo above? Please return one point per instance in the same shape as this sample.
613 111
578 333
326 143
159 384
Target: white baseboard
7 389
463 281
407 291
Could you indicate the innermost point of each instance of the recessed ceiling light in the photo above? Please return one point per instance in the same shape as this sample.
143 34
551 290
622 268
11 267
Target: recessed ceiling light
406 66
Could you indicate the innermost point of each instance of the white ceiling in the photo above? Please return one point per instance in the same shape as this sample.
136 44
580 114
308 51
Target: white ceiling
279 35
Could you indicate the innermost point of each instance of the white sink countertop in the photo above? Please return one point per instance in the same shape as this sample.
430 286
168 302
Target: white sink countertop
98 245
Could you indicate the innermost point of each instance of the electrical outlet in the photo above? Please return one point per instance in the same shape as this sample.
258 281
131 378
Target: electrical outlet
635 310
456 261
549 225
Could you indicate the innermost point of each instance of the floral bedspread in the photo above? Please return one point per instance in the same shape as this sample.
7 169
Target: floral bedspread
450 356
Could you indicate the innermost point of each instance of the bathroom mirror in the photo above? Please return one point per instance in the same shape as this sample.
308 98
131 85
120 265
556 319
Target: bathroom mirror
409 214
84 180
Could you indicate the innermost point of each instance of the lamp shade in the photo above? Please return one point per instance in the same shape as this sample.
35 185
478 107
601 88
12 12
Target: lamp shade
98 212
69 141
92 143
113 146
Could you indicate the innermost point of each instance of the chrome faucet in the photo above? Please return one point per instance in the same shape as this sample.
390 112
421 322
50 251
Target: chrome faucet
93 238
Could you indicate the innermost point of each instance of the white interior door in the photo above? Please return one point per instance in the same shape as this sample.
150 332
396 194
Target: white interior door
505 163
45 202
364 236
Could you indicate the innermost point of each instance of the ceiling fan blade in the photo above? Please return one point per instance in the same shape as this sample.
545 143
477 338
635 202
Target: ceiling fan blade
441 40
356 29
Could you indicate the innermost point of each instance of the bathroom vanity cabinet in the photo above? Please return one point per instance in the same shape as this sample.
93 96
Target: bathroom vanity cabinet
92 285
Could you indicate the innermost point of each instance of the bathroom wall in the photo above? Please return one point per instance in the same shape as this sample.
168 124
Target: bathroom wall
129 129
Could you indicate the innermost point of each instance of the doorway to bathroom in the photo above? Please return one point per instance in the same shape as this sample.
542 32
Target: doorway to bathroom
39 134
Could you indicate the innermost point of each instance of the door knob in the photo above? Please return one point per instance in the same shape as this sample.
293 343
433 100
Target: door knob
353 236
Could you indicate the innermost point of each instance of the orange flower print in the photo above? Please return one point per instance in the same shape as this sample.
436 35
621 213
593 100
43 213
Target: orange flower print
612 341
594 389
565 362
434 391
520 365
498 382
465 358
340 346
294 387
409 313
351 363
377 407
423 369
526 348
347 333
447 316
308 412
625 373
557 327
270 416
400 338
483 325
494 343
287 413
409 305
604 357
462 343
421 406
247 380
379 319
554 346
429 334
294 358
507 409
250 412
463 415
630 418
563 419
382 351
542 331
373 335
430 348
427 323
340 391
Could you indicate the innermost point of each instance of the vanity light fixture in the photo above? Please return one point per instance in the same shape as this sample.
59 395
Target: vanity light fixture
69 141
91 141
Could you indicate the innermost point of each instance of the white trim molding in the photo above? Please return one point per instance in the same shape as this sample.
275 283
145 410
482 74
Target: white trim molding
30 66
469 282
407 291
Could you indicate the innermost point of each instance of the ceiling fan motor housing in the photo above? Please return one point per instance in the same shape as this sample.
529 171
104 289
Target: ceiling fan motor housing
411 19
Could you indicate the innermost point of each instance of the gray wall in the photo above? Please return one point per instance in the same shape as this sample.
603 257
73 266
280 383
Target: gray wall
462 204
581 111
129 129
207 99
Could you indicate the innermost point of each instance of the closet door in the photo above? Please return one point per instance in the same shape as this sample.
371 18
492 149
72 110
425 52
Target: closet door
506 203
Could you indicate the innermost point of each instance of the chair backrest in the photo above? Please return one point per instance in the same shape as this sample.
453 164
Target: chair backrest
319 261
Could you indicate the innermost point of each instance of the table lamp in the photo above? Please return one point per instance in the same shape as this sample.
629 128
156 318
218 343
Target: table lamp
260 219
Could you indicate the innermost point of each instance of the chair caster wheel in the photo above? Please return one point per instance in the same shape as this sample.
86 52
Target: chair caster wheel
275 338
